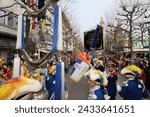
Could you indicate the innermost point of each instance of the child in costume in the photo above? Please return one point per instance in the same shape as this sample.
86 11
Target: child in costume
133 88
97 82
112 78
51 81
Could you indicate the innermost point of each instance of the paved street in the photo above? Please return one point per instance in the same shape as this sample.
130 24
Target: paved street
79 91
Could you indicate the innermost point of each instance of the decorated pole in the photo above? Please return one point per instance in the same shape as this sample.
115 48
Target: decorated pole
16 67
60 81
20 33
19 45
57 47
57 37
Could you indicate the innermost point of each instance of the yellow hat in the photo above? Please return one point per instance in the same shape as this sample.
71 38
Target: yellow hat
52 69
101 62
111 63
132 70
96 74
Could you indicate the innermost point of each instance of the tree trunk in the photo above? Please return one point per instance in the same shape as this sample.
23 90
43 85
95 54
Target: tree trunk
115 45
142 37
130 36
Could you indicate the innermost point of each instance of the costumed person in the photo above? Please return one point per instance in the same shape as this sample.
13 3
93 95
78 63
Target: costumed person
14 88
99 65
112 78
133 88
97 82
51 82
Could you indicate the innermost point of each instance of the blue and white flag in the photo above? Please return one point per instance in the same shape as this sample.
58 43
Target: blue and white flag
96 37
60 81
79 69
20 34
57 36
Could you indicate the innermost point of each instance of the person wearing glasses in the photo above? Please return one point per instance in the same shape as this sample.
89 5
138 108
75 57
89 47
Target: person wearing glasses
112 78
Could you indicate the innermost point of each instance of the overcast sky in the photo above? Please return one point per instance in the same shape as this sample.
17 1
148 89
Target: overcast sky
89 12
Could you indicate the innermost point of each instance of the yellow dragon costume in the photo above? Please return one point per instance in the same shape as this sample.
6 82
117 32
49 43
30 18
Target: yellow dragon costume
13 88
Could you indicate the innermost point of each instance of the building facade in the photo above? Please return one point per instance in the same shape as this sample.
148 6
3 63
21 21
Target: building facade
8 31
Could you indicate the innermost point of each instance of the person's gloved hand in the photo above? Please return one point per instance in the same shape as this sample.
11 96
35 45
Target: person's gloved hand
118 88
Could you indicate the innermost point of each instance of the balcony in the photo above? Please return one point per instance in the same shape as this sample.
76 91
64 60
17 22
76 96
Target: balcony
8 31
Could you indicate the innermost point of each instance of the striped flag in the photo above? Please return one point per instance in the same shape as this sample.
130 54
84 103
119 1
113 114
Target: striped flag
57 36
20 34
60 81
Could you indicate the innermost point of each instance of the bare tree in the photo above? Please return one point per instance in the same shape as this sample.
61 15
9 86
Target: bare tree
130 11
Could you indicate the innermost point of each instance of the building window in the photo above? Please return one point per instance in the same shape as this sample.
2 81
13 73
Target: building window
10 20
15 22
2 19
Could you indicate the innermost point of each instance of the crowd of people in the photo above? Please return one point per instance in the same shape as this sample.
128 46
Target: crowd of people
45 74
103 75
6 71
136 71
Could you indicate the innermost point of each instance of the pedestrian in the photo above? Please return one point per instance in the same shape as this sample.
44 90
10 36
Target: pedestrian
112 78
133 88
97 82
1 74
9 73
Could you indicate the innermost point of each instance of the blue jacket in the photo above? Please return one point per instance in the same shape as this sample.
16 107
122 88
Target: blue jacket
133 90
50 85
111 87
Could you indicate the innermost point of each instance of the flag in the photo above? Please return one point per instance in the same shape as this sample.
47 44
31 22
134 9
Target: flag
20 33
60 81
83 58
57 36
79 69
96 37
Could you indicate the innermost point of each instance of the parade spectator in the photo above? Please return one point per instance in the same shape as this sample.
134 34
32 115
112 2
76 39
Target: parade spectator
1 74
112 80
1 62
5 67
144 73
122 63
